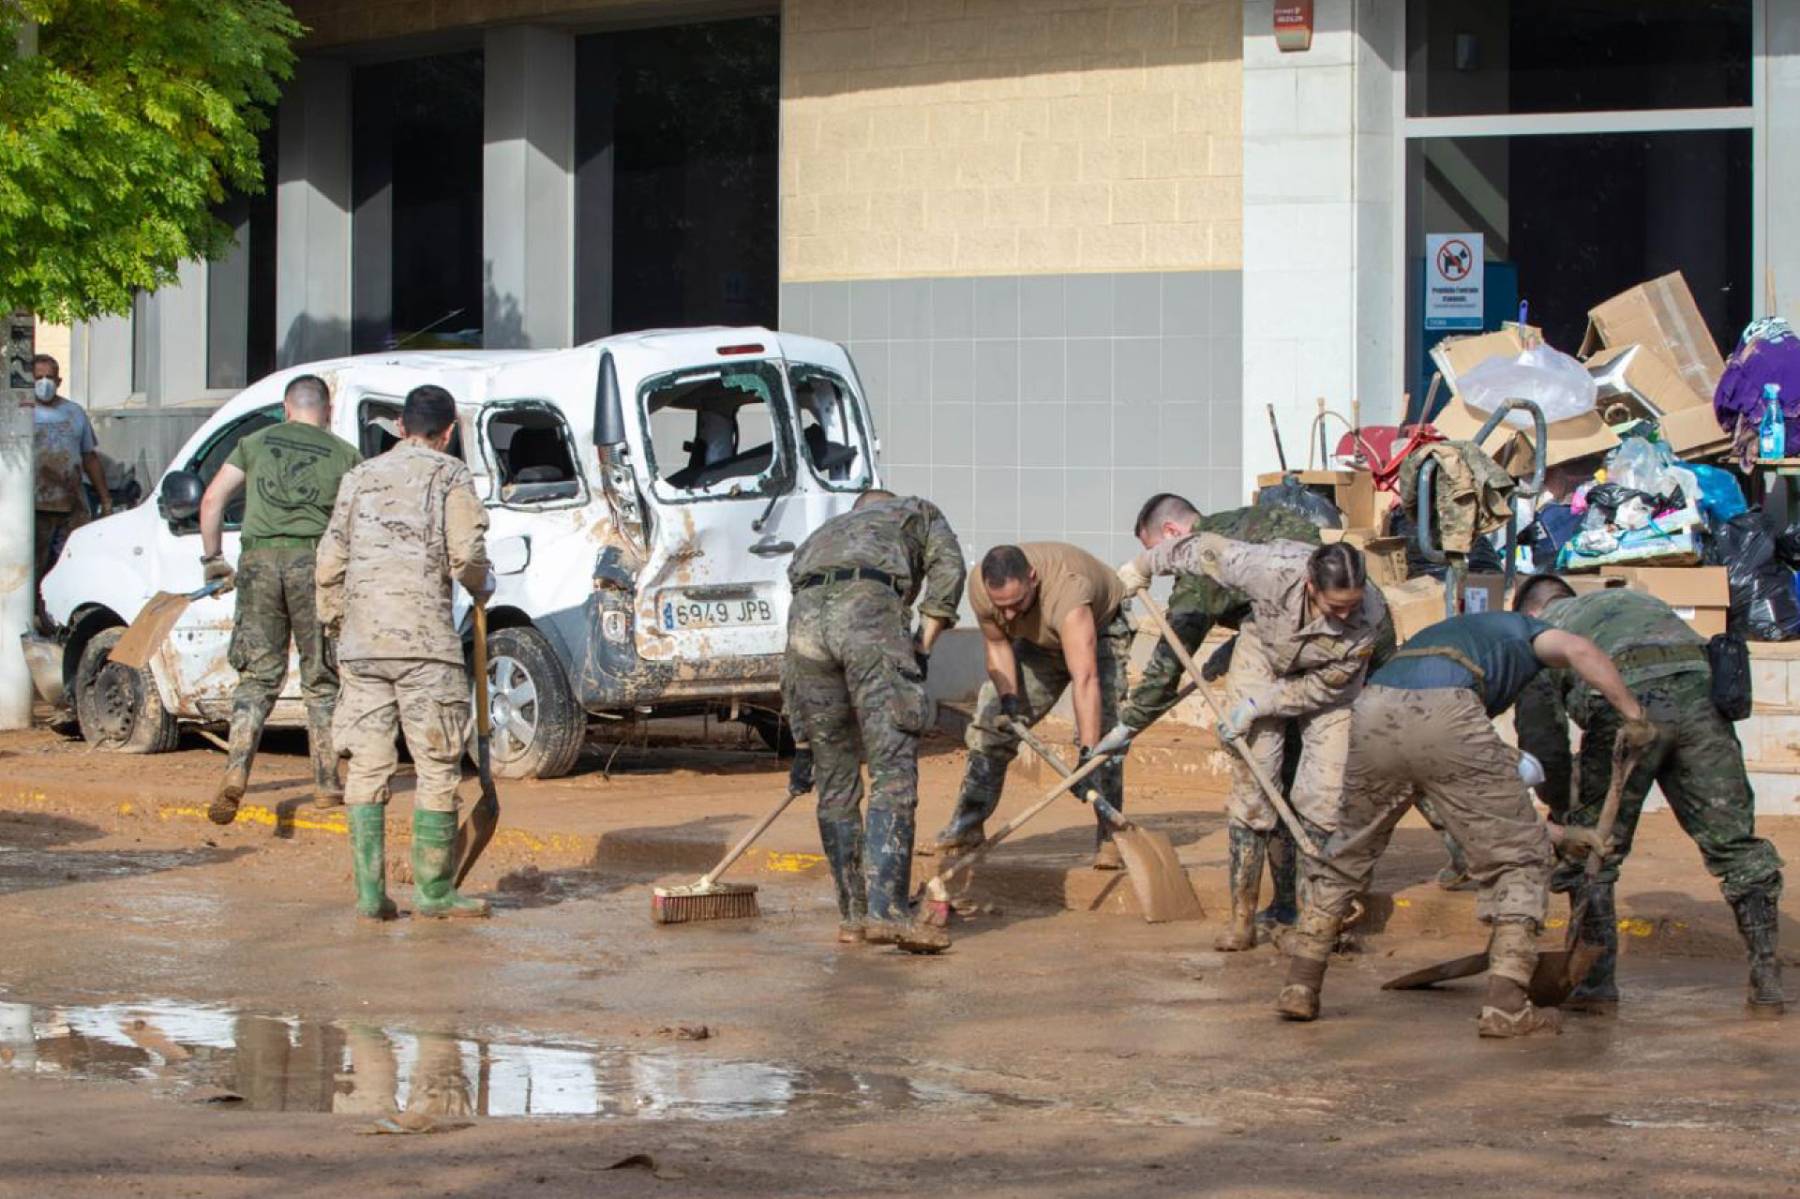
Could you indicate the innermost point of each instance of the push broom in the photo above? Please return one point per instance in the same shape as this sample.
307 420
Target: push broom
707 899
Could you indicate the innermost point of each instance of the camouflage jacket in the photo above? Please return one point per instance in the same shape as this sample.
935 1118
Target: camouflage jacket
905 537
1198 602
1640 633
1320 662
405 524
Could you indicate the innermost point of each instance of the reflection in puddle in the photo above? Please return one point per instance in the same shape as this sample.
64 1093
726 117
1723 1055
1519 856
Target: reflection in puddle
278 1063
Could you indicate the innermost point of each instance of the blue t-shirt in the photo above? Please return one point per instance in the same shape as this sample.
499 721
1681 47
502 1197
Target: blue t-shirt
1497 642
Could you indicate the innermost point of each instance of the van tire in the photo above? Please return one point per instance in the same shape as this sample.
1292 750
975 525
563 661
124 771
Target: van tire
118 707
518 656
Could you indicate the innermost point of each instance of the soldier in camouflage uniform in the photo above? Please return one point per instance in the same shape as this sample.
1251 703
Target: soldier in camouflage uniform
289 475
406 524
1696 760
854 682
1301 656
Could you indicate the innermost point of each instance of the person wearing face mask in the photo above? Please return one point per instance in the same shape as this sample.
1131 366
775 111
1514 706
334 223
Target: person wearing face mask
1302 652
65 450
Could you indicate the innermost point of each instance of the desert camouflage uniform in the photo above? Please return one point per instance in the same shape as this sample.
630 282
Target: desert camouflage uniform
405 525
855 692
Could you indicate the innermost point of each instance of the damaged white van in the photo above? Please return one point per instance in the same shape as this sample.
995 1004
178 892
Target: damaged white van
645 494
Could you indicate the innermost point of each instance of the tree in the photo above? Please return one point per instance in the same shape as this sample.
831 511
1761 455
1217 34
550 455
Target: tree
118 138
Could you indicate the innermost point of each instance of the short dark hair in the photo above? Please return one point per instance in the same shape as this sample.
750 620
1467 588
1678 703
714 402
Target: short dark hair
428 411
1164 505
307 391
873 495
1337 566
39 359
1539 584
1004 564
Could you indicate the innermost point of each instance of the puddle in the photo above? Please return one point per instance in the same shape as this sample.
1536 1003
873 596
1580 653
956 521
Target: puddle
280 1063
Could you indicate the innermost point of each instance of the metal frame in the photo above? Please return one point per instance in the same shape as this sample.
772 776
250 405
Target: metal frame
1456 566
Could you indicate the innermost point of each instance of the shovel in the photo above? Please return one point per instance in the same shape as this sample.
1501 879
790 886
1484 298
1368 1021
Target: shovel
154 620
1269 789
484 817
1164 892
1560 970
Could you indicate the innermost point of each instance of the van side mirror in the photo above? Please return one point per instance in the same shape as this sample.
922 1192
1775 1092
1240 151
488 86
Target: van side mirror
178 499
609 408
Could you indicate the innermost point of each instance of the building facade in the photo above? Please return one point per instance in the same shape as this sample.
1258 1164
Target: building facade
1080 249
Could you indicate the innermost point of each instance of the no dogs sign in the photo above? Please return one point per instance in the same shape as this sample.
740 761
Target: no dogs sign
1453 281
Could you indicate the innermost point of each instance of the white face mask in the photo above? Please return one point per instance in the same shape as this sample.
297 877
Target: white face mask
44 389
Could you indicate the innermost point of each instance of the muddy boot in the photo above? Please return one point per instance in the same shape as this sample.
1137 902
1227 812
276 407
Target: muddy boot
1106 855
368 861
1247 847
1598 993
1284 859
980 795
887 870
851 934
1507 1010
1758 921
1309 950
434 865
246 731
327 791
842 840
917 937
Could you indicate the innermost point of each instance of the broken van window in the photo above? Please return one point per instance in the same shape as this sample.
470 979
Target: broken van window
212 456
532 455
378 428
831 432
714 432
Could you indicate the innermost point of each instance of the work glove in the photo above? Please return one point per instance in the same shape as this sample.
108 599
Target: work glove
1531 771
1218 662
1009 706
1639 733
1574 844
1083 755
1134 575
1237 722
1117 741
924 661
800 770
216 570
489 584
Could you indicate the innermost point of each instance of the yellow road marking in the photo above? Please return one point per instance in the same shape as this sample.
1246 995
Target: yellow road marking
792 863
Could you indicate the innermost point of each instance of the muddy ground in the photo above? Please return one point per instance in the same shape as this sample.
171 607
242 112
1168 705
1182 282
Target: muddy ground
192 1011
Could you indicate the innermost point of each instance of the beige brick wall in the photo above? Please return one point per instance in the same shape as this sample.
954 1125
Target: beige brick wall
971 137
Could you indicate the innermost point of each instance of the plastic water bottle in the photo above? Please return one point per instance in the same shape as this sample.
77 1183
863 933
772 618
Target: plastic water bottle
1772 438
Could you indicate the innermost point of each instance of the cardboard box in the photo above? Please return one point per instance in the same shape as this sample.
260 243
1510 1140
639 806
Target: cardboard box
1353 491
1645 375
1694 433
1484 593
1385 556
1582 584
1415 605
1662 315
1700 595
1457 356
1577 437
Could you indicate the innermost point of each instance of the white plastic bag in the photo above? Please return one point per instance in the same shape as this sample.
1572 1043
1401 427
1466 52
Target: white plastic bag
1548 378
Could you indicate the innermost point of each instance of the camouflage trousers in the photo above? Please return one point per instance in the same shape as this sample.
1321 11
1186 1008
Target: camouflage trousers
857 696
1317 783
1043 677
1438 744
1697 761
428 701
275 591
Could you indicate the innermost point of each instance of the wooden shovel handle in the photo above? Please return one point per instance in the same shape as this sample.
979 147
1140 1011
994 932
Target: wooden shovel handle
482 715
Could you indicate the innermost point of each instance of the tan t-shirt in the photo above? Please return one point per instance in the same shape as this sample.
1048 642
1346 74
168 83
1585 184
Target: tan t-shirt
1068 577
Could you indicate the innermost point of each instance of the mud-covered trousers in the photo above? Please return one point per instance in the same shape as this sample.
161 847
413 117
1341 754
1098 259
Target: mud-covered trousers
1043 677
426 700
858 696
1438 744
275 590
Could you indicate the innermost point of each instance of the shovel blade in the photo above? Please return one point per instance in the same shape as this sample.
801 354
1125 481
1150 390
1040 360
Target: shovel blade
1443 972
145 636
475 833
1557 972
1164 892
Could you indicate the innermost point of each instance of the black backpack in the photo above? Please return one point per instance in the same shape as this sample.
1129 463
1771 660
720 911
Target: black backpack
1729 657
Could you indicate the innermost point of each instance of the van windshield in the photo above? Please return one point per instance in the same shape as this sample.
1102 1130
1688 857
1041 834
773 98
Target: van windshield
716 432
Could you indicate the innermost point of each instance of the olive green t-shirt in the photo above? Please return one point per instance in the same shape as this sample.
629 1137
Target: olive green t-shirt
291 476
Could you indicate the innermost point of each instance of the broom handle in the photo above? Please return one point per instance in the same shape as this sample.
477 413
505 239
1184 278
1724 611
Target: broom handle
1624 761
737 851
1269 789
1055 763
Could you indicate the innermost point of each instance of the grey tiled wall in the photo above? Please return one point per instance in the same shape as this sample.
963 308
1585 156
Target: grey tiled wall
1046 407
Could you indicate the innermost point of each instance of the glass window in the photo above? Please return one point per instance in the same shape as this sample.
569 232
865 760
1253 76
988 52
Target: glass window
211 456
240 288
715 432
416 279
378 427
1571 220
533 455
1469 57
831 432
676 176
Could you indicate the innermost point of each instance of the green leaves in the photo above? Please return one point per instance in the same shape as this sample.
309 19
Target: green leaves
117 139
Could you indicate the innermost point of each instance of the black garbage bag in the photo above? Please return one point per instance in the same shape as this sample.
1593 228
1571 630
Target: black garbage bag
1291 495
1763 606
1483 558
1787 546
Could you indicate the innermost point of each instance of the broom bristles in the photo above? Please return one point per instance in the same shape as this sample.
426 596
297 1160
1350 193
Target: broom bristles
686 905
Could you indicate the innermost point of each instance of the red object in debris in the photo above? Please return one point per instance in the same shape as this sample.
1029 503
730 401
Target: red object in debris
1385 447
1293 24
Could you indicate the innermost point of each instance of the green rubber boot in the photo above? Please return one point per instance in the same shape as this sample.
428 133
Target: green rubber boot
368 860
433 863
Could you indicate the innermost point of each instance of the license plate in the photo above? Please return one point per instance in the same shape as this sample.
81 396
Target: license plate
688 612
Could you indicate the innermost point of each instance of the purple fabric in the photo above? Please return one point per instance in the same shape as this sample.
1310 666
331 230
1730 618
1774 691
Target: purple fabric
1769 353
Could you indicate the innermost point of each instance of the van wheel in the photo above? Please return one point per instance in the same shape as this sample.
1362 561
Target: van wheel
118 706
538 728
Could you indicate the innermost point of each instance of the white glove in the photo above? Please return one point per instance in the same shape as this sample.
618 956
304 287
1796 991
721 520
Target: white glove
1135 574
1117 740
1531 771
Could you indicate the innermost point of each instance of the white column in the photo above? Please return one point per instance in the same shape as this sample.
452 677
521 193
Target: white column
17 503
528 188
1779 184
312 214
